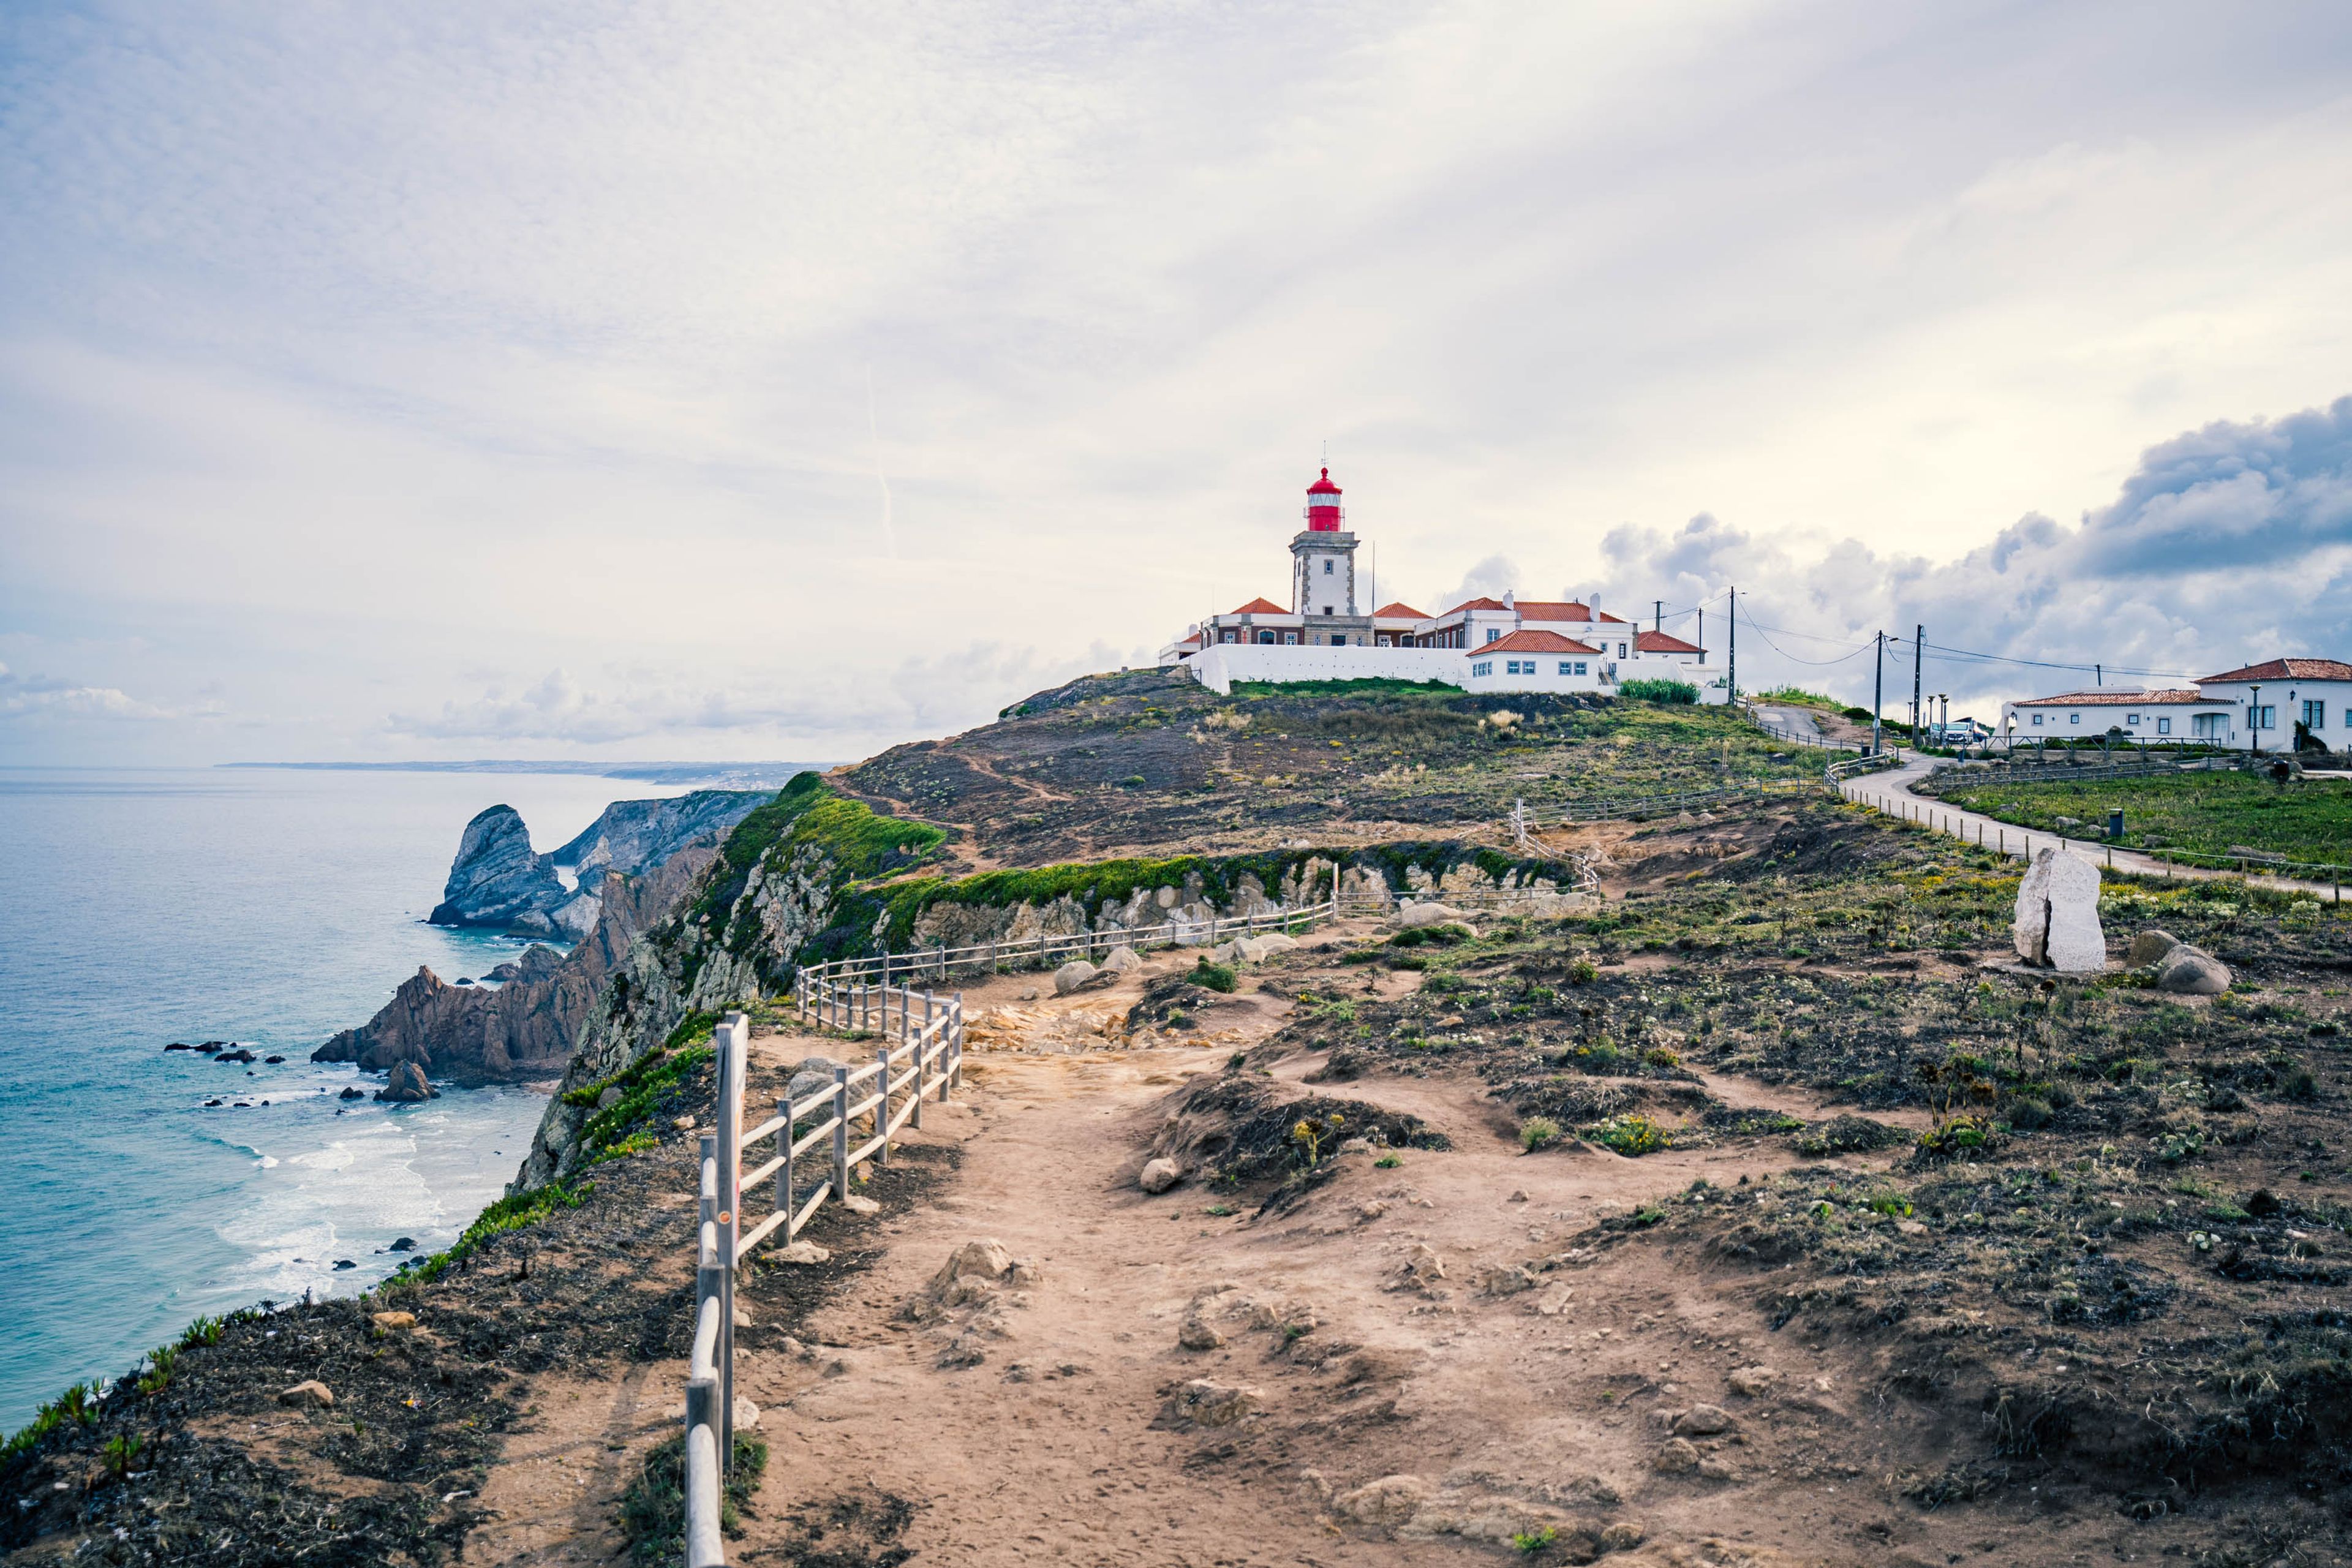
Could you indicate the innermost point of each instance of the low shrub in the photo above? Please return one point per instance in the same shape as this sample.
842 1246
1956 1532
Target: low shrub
1658 690
1539 1132
653 1509
1632 1135
1210 975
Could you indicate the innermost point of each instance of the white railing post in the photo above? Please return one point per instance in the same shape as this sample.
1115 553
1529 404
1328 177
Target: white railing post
954 1075
729 1036
785 1149
882 1106
840 1133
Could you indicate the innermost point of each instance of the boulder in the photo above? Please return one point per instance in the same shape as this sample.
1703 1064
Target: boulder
1072 975
985 1260
1413 917
1390 1500
407 1085
393 1322
814 1073
1675 1457
1754 1382
309 1394
1198 1333
2150 946
1702 1421
1202 1403
403 1244
1123 961
801 1252
2189 970
2057 920
1160 1175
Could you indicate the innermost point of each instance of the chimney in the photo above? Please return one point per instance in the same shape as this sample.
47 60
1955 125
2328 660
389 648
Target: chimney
1596 606
1510 599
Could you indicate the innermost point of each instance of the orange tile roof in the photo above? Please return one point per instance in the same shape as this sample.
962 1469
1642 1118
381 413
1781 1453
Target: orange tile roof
1663 642
1530 642
1475 604
1399 611
1260 607
2289 670
2108 698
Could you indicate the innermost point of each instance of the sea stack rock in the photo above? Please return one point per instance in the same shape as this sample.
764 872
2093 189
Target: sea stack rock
498 880
407 1085
2057 924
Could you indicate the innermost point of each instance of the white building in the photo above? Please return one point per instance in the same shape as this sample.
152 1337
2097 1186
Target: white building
1400 642
2270 700
2259 707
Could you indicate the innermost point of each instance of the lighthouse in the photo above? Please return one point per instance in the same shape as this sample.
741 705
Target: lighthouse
1323 573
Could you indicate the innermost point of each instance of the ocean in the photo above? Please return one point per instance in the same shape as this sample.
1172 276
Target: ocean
271 908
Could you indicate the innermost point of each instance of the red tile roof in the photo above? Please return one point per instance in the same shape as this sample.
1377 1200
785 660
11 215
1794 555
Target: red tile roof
1475 604
1662 642
1530 642
2109 697
1260 607
2289 670
1553 610
1398 611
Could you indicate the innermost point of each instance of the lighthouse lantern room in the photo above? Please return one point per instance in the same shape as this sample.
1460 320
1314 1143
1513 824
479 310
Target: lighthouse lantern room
1323 573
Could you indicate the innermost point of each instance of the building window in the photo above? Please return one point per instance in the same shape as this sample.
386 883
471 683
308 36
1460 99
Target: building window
1566 667
1483 667
1494 633
2073 718
2315 715
1290 637
1327 568
2164 726
1621 650
2264 717
1229 636
1385 641
1265 636
2037 718
2131 718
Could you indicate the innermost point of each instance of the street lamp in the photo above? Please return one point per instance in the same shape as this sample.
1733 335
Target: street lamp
2254 720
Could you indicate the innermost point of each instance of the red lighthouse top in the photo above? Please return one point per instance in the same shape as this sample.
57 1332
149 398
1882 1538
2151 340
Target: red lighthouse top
1323 505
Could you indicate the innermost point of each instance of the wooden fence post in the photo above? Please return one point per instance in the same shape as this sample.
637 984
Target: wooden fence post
882 1107
785 1149
840 1133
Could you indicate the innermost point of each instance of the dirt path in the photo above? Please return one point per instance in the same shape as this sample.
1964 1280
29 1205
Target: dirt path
1509 1394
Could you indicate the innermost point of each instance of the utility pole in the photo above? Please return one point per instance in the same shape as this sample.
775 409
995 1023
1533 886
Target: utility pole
1877 694
1918 657
1657 615
1734 671
2099 674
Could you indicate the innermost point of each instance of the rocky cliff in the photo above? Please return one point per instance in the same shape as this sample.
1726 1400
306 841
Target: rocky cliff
815 876
499 881
528 1027
635 835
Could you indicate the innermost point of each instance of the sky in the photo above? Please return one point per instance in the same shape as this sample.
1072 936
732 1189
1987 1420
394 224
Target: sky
755 380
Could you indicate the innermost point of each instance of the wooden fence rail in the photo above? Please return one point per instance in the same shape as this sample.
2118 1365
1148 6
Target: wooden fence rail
918 1055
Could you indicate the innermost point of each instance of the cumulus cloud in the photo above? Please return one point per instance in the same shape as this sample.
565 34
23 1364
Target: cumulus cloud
2228 544
44 697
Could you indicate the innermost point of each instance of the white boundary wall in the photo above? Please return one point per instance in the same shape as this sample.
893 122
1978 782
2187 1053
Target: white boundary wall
1218 666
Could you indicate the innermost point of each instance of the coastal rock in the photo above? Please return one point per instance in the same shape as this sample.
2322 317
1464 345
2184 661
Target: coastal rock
407 1085
814 1074
527 1027
308 1394
1158 1175
635 835
1202 1403
497 881
1072 976
2151 946
1413 917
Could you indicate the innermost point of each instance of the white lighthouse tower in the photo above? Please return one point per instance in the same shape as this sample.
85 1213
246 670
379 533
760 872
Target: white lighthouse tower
1323 573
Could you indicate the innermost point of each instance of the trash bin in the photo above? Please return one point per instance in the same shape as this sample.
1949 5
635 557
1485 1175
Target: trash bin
2115 824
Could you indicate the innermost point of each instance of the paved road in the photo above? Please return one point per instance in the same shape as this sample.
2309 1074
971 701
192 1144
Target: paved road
1890 792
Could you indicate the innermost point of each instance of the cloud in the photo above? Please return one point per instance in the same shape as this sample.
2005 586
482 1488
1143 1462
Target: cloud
2227 544
42 697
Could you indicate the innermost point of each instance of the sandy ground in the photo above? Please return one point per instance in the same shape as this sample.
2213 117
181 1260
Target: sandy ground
1044 1418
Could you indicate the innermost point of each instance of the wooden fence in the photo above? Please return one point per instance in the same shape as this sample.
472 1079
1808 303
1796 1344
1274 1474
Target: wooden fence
920 1054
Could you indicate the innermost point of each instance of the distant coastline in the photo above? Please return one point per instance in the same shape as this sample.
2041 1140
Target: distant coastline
735 775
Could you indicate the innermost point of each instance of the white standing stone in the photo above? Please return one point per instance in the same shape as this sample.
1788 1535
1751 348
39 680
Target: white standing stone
2057 922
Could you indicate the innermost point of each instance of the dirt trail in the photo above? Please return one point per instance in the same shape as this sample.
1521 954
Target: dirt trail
1056 1445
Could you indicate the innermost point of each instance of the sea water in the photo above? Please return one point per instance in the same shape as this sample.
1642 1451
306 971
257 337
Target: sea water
266 907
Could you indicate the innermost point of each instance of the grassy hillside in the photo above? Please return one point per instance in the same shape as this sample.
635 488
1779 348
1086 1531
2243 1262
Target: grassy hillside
1145 760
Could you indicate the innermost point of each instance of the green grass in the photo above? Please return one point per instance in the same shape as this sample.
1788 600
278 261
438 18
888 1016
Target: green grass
1658 690
1796 696
2207 813
653 1509
508 1213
